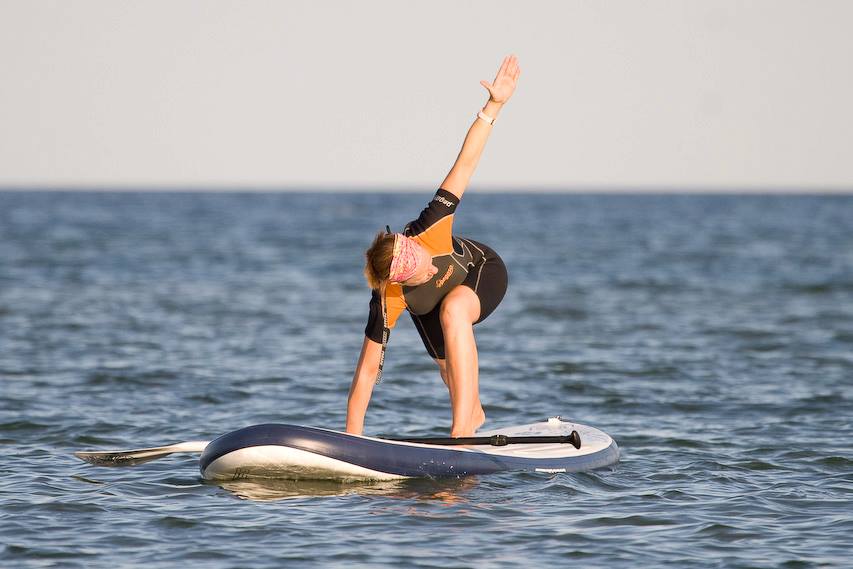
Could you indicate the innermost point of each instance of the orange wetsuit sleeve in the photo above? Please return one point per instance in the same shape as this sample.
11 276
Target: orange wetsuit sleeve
395 306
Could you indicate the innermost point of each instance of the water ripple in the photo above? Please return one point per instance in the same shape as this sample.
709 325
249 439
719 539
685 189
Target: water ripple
711 336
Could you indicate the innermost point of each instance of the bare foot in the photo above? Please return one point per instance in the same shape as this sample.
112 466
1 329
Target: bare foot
478 418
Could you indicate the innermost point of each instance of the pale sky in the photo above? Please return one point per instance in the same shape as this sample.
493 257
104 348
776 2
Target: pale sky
379 94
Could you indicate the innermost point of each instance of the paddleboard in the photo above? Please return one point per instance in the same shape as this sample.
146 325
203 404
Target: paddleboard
297 452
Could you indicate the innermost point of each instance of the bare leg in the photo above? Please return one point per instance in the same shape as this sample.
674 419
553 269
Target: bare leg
479 416
459 310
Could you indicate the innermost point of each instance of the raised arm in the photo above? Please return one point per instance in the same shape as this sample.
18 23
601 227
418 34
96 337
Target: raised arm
500 90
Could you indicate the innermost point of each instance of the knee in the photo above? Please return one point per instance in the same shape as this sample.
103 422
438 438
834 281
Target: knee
455 311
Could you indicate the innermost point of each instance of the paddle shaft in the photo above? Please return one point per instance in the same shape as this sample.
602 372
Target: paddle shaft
495 440
140 456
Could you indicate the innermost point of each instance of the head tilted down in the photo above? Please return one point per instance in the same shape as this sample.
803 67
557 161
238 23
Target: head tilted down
395 258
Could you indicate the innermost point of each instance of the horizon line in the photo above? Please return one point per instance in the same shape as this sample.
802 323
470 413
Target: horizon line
748 189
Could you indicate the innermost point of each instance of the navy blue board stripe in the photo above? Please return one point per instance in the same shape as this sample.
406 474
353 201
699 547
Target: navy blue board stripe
393 458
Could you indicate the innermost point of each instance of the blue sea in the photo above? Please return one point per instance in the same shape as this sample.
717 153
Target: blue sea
711 336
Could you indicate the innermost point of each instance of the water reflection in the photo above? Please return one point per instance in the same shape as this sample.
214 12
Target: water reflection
446 490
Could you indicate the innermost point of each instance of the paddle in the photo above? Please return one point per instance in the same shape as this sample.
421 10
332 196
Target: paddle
496 440
137 456
143 455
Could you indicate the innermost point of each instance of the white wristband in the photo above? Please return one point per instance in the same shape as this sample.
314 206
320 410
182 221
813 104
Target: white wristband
485 117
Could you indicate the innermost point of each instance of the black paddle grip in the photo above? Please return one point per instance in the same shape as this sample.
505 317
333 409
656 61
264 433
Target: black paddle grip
497 440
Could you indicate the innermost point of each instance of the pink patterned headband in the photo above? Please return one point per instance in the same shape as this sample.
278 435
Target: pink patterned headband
405 259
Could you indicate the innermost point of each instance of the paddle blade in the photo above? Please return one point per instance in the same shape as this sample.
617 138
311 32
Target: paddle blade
137 456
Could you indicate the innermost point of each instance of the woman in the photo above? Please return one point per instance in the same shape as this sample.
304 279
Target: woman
447 283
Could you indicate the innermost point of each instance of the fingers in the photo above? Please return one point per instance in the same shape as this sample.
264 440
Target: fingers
505 79
503 67
509 68
512 68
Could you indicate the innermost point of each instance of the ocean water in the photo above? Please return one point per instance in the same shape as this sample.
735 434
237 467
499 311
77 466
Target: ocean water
711 336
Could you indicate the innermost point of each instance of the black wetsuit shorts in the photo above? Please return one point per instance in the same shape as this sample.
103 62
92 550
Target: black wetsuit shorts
488 279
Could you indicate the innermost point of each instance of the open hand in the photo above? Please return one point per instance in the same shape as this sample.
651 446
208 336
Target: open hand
501 89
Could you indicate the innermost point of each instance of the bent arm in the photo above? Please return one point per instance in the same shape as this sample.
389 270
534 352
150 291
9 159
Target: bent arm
362 385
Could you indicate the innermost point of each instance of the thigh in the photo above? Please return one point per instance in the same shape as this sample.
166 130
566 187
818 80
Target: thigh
429 325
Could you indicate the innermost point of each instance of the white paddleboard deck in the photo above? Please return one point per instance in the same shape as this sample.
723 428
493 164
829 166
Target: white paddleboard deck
296 452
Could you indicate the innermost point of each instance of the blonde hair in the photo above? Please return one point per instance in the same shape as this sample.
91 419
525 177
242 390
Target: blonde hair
378 260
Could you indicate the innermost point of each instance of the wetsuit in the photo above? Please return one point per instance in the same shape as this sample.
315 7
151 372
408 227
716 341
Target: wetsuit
458 260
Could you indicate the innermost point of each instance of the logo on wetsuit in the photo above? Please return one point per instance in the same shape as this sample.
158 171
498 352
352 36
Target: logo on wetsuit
440 282
443 200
